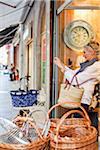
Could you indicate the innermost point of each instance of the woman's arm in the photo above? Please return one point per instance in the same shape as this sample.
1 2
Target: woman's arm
58 62
68 73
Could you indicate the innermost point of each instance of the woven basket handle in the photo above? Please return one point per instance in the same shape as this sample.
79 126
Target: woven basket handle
69 113
30 121
76 80
75 103
37 130
59 104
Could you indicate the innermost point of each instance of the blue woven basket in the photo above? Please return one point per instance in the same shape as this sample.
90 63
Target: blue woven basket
24 98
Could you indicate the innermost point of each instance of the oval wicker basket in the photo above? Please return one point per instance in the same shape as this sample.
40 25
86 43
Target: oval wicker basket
74 137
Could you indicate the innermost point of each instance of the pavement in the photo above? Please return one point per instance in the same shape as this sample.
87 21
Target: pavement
6 108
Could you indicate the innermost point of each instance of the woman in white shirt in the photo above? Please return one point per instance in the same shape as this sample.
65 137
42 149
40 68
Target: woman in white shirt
89 71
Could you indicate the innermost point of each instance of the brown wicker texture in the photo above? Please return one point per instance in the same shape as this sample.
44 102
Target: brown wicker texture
69 122
74 136
42 143
93 146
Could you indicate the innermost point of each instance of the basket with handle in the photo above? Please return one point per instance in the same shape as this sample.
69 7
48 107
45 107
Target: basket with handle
40 142
38 116
92 146
69 122
71 93
74 137
22 98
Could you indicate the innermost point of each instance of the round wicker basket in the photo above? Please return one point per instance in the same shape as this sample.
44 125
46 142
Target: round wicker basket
73 137
69 122
39 143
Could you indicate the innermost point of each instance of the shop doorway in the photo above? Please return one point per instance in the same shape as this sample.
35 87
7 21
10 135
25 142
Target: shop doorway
30 64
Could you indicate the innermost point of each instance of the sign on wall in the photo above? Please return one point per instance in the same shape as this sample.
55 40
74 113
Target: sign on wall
43 58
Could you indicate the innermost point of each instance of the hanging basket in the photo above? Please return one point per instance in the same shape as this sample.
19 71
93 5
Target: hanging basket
24 98
74 137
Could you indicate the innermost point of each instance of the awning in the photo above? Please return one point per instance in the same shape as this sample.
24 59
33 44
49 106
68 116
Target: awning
11 12
7 34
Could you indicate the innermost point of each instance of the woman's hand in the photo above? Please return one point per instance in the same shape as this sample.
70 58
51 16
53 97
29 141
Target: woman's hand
58 62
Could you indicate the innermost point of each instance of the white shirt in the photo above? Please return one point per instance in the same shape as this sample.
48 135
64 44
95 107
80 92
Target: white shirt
92 71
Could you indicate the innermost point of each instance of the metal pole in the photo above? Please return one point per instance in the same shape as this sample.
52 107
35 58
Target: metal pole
21 52
48 54
55 53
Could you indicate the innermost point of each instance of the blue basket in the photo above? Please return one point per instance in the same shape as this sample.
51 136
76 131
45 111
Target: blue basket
24 98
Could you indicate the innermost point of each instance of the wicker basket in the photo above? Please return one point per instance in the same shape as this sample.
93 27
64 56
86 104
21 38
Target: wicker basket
74 137
69 122
24 98
93 146
40 143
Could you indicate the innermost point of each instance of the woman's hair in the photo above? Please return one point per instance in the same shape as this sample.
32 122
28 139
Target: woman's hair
95 46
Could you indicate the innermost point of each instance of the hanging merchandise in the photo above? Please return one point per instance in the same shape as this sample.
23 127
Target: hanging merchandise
69 93
78 34
25 97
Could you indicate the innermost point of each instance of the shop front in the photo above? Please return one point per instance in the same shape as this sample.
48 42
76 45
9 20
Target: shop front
76 23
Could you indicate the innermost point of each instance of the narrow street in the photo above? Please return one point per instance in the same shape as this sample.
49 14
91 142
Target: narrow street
6 108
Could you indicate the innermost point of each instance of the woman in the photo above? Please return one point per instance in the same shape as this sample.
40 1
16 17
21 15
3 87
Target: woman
89 71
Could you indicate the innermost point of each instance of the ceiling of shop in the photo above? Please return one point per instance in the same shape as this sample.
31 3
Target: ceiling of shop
11 12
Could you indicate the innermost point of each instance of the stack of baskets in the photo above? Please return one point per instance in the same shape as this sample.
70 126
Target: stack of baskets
64 133
72 133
